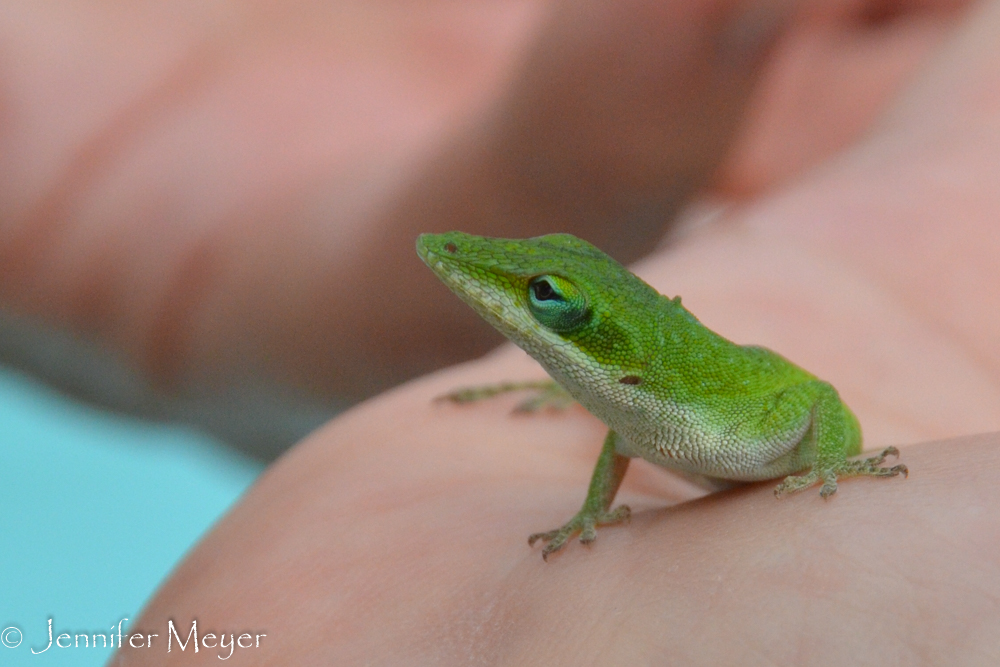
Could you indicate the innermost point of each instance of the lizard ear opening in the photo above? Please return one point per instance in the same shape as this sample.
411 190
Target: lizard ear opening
557 303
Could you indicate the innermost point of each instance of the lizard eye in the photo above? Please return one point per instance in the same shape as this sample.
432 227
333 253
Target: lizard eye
542 290
557 303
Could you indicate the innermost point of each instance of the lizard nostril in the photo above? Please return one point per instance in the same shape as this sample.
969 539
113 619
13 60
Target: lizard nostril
451 248
631 379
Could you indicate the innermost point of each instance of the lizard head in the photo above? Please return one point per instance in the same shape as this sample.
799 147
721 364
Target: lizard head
581 314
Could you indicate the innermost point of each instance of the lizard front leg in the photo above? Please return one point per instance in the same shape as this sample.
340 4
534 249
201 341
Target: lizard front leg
604 483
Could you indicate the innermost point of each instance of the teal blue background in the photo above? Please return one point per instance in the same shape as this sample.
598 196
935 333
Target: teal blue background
95 510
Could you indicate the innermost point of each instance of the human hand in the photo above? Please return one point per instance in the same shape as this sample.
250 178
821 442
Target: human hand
396 535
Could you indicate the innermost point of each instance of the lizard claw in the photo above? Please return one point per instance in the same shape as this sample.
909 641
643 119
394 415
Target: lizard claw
870 467
585 523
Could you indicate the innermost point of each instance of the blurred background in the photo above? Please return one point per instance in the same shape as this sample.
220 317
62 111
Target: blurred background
207 217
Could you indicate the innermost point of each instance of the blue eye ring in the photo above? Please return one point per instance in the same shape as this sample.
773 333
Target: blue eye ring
557 304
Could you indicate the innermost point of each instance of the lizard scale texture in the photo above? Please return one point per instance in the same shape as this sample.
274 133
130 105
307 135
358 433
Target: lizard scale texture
670 390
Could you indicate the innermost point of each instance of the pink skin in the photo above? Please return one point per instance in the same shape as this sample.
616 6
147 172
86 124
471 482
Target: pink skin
396 534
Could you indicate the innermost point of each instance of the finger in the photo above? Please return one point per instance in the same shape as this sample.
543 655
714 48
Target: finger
836 70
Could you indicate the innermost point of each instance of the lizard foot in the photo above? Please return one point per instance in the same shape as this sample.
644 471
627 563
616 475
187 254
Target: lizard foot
585 523
870 467
549 395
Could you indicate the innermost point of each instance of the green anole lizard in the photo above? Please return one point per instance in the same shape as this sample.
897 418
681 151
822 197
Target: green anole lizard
670 390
